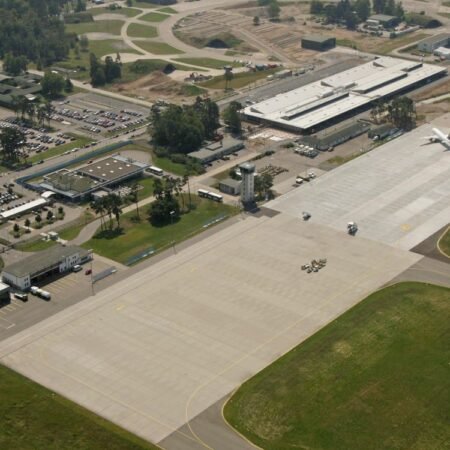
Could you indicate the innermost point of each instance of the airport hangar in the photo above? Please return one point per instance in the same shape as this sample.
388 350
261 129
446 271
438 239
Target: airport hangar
321 103
154 351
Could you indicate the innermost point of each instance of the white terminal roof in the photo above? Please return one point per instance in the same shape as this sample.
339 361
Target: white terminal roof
322 100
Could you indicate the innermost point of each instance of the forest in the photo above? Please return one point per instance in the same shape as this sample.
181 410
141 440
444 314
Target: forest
32 28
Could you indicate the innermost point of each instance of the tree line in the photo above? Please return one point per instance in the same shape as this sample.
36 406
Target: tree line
353 12
401 112
182 129
33 29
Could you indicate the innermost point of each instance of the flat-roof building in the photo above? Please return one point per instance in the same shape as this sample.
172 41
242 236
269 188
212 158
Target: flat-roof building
322 103
27 85
318 42
216 150
430 44
385 20
39 266
81 182
230 186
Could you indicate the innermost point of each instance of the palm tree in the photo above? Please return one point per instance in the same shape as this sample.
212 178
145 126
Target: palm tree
186 181
31 111
48 108
228 77
40 116
135 198
23 106
116 208
15 102
99 210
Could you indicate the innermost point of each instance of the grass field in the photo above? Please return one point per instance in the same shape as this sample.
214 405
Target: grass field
100 26
239 79
154 17
208 62
139 30
375 378
80 141
158 48
139 236
36 418
35 246
144 5
129 12
167 10
444 243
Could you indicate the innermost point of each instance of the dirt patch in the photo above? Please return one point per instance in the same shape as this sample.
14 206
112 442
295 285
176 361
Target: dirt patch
427 113
156 85
432 91
100 36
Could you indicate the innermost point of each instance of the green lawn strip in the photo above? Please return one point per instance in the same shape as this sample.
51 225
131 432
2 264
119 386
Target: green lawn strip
157 48
208 62
145 5
139 236
34 246
391 44
144 31
444 243
100 26
79 142
154 17
108 46
239 80
169 166
167 10
375 378
129 12
37 418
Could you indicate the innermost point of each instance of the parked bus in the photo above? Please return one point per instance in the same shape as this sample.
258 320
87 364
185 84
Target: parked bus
156 171
211 195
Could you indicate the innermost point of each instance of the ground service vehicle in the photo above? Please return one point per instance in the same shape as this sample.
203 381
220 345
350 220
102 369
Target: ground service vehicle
20 296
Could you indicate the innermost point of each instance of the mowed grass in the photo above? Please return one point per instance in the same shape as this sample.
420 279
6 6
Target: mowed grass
100 26
158 48
139 236
80 141
375 378
129 12
444 243
208 62
139 30
34 246
239 79
35 418
154 17
167 10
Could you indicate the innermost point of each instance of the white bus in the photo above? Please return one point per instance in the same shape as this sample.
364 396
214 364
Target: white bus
156 171
211 195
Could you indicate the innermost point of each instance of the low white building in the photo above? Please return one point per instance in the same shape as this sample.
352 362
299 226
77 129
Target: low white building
39 266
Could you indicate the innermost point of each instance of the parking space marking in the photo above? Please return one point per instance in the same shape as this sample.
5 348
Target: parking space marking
7 324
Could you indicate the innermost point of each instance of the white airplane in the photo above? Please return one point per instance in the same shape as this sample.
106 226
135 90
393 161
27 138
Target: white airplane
439 136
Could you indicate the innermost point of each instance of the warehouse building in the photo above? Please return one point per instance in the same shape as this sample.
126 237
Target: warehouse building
430 44
318 42
27 85
384 20
216 150
324 103
80 183
42 265
327 140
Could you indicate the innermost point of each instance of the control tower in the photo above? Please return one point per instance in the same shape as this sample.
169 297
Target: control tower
248 183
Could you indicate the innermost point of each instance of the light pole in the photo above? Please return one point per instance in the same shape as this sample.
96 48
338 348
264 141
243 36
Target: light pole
172 213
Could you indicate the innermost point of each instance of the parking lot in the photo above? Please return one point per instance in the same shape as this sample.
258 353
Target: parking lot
97 115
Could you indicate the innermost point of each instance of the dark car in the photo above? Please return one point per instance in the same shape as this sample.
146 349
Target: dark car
88 271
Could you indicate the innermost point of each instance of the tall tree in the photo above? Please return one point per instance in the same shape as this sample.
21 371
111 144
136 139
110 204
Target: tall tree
11 141
378 6
52 84
232 118
402 113
362 9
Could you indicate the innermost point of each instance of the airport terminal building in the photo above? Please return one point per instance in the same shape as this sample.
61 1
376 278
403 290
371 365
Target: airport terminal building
322 103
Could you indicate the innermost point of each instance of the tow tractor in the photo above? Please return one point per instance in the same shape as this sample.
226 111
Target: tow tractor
352 228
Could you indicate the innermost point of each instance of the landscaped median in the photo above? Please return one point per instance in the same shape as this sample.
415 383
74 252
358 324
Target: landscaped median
138 237
375 378
35 418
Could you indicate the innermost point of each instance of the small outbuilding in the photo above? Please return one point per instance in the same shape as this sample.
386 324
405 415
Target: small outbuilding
216 150
318 42
230 186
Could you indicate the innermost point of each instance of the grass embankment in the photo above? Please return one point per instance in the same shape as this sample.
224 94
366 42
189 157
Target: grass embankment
139 30
375 378
389 45
208 62
239 80
99 26
444 243
129 12
154 17
35 418
158 48
34 246
80 141
139 236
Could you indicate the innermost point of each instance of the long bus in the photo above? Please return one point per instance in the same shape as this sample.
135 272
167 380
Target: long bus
211 195
156 171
